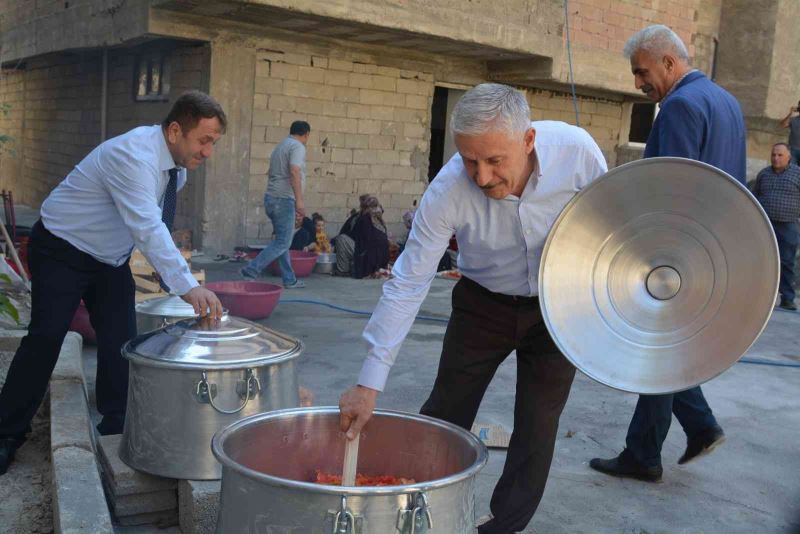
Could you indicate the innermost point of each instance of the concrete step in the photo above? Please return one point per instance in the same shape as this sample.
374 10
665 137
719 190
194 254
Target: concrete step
198 505
123 480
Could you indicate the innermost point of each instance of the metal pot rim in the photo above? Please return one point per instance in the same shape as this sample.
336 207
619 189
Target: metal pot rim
219 452
267 360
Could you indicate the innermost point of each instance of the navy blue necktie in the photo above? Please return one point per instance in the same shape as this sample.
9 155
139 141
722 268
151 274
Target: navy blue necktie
170 199
168 209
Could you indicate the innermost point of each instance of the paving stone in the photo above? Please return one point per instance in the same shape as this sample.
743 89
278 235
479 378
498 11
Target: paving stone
123 480
198 505
157 519
10 339
78 500
69 364
69 416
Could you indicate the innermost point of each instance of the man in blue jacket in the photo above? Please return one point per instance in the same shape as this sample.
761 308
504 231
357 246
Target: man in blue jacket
698 120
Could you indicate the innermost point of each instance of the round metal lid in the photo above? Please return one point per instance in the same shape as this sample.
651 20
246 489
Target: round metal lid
169 306
202 343
659 276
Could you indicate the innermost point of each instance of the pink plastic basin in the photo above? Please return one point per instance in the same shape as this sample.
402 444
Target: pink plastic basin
251 300
81 324
302 263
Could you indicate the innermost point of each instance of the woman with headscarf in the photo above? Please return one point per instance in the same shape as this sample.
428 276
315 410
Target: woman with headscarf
371 240
344 244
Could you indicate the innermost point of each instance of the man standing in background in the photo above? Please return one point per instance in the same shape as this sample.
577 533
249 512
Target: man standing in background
282 202
698 120
777 188
792 121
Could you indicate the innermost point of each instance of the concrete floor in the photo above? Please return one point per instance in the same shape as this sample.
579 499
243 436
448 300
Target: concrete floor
751 484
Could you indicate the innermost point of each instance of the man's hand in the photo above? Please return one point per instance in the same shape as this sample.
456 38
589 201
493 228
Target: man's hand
204 302
356 406
300 207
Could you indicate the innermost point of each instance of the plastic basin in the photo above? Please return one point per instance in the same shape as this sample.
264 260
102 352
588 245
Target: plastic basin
81 324
251 300
302 263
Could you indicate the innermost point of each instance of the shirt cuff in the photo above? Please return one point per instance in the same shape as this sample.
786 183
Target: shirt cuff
373 374
182 283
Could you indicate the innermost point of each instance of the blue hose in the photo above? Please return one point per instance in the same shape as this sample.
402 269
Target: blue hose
756 361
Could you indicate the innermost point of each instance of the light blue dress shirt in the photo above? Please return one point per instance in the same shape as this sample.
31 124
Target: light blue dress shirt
500 242
111 202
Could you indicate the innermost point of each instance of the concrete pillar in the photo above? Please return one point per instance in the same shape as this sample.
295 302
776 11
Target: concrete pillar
225 189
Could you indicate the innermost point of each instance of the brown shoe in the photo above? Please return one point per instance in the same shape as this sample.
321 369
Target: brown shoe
626 466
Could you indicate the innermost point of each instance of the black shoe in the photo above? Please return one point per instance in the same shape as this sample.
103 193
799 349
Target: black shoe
787 304
111 424
702 444
626 466
8 448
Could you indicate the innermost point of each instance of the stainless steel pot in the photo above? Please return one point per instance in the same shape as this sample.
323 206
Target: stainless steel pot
269 460
156 313
190 379
325 263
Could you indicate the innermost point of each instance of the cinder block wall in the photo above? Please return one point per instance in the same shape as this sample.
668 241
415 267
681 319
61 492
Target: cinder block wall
370 133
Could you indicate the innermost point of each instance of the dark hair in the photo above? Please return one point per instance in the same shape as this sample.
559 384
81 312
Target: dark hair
193 106
299 128
784 145
316 217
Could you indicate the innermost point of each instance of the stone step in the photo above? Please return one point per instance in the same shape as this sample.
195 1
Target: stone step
198 505
123 480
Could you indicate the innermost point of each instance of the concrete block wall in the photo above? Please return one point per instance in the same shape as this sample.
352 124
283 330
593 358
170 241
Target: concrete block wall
600 117
12 93
61 114
370 132
607 24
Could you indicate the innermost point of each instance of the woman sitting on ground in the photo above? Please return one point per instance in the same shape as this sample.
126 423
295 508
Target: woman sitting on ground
345 244
371 241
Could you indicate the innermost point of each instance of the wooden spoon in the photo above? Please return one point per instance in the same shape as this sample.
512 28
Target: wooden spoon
350 461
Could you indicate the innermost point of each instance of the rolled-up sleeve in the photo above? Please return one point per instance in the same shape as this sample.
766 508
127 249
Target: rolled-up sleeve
404 293
132 185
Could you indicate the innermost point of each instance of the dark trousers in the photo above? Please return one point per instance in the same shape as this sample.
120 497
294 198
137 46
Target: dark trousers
60 276
786 233
483 329
653 416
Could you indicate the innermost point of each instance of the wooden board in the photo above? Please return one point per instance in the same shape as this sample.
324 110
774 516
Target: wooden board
493 436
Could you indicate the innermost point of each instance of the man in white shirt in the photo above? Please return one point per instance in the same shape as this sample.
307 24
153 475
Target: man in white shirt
499 195
119 196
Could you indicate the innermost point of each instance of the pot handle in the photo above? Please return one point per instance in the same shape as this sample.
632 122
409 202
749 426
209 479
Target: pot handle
205 392
417 517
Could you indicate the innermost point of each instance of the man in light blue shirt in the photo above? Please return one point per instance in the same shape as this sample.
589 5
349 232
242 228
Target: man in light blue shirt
500 196
282 202
121 195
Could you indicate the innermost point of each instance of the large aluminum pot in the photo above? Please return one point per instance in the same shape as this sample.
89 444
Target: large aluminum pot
270 459
156 313
190 379
325 262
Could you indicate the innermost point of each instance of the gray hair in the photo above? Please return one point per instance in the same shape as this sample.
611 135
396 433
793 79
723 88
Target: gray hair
491 107
656 40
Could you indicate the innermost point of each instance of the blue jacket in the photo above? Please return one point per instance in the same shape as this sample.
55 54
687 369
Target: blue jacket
702 121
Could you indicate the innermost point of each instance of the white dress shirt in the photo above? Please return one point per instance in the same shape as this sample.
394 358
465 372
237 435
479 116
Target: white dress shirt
500 242
111 202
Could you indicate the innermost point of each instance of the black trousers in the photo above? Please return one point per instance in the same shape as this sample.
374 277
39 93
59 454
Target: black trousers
483 329
62 275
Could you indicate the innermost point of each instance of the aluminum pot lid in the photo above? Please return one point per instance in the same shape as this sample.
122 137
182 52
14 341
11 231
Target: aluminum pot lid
659 276
169 306
201 343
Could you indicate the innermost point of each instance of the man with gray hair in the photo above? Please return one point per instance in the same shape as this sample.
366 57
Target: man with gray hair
499 195
698 120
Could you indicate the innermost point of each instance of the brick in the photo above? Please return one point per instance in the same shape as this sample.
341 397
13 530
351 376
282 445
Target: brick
332 200
333 139
336 78
383 98
357 141
384 83
346 94
381 142
358 172
311 74
348 125
361 81
385 113
367 186
369 127
321 62
282 103
417 102
275 134
283 70
198 506
258 165
392 186
124 480
267 117
414 87
414 130
336 185
358 111
342 155
310 105
338 64
392 128
307 90
389 71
